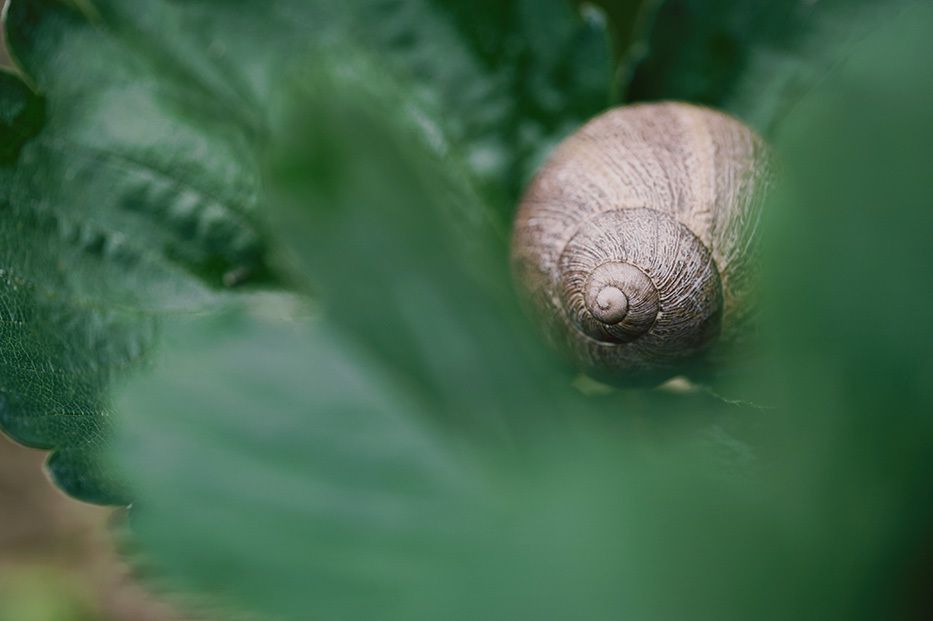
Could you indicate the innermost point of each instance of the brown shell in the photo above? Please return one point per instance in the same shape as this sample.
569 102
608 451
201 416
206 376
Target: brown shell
635 240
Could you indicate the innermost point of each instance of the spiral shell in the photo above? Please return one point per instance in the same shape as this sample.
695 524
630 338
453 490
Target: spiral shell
635 241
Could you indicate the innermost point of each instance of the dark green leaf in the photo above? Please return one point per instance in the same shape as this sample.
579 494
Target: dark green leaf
753 59
316 484
345 512
372 206
21 113
420 367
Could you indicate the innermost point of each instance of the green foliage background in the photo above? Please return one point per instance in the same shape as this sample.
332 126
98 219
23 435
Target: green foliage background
302 207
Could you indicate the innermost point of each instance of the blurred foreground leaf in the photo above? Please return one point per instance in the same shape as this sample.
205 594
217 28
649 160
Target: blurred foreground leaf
372 208
320 475
392 398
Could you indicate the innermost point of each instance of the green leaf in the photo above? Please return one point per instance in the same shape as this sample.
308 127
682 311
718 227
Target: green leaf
556 66
319 484
373 209
505 80
135 146
131 180
418 339
59 348
101 234
630 25
21 115
340 524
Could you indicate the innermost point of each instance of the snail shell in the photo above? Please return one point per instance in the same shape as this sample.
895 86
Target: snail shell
635 241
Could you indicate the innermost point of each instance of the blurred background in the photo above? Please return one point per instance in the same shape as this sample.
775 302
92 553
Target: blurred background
57 560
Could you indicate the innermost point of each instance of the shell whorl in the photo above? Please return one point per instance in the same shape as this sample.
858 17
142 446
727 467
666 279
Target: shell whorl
633 239
671 289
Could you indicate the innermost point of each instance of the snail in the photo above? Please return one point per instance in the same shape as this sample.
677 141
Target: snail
635 242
